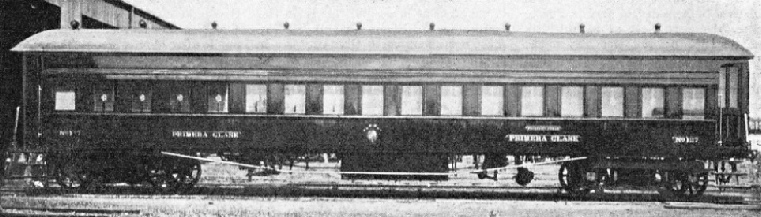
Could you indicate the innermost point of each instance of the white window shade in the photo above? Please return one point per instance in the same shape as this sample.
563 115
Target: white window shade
65 100
532 101
333 100
412 100
492 101
256 98
451 100
295 99
372 100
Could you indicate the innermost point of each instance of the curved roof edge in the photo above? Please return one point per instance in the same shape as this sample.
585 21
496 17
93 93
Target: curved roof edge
395 42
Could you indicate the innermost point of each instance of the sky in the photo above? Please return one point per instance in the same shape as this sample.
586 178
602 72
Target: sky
739 20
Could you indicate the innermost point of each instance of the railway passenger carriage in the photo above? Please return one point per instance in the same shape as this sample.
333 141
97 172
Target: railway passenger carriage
387 102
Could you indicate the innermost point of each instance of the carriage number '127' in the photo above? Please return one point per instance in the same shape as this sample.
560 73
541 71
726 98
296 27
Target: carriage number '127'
685 139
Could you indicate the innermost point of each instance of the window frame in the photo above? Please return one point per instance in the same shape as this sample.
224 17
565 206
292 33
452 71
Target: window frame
246 98
501 105
302 110
404 104
541 101
683 103
63 88
211 92
581 101
456 107
364 100
728 95
99 90
662 102
341 103
174 104
128 93
622 101
733 87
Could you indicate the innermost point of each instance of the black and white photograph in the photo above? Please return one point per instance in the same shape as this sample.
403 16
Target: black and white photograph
159 108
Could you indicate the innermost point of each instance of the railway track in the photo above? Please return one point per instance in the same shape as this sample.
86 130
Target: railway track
110 202
49 200
26 211
547 193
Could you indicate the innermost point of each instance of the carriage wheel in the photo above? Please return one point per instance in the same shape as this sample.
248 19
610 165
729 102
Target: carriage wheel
187 174
604 177
685 185
172 176
69 175
158 175
572 177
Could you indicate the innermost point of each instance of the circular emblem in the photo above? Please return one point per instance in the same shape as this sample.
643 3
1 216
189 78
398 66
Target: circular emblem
103 97
180 97
142 97
218 98
372 132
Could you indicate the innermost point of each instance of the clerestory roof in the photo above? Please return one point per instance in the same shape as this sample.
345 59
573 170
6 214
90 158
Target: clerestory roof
382 42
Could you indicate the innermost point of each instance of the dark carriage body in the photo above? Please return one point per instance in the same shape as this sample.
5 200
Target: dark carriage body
602 138
102 71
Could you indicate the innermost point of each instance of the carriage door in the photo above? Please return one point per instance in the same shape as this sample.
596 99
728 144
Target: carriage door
731 128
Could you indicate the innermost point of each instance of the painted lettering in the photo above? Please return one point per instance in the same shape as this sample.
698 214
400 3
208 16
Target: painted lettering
685 139
564 138
69 133
206 134
542 128
542 138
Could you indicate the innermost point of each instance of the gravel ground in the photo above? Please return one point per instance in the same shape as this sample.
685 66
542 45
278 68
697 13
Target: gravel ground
258 206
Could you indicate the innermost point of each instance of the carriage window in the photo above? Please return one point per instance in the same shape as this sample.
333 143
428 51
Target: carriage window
333 100
256 98
372 100
612 101
652 103
217 98
179 102
451 100
572 101
492 100
693 103
532 100
722 92
734 79
729 78
65 100
295 99
141 101
412 100
104 100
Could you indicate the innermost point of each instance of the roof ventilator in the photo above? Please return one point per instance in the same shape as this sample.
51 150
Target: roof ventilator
74 24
